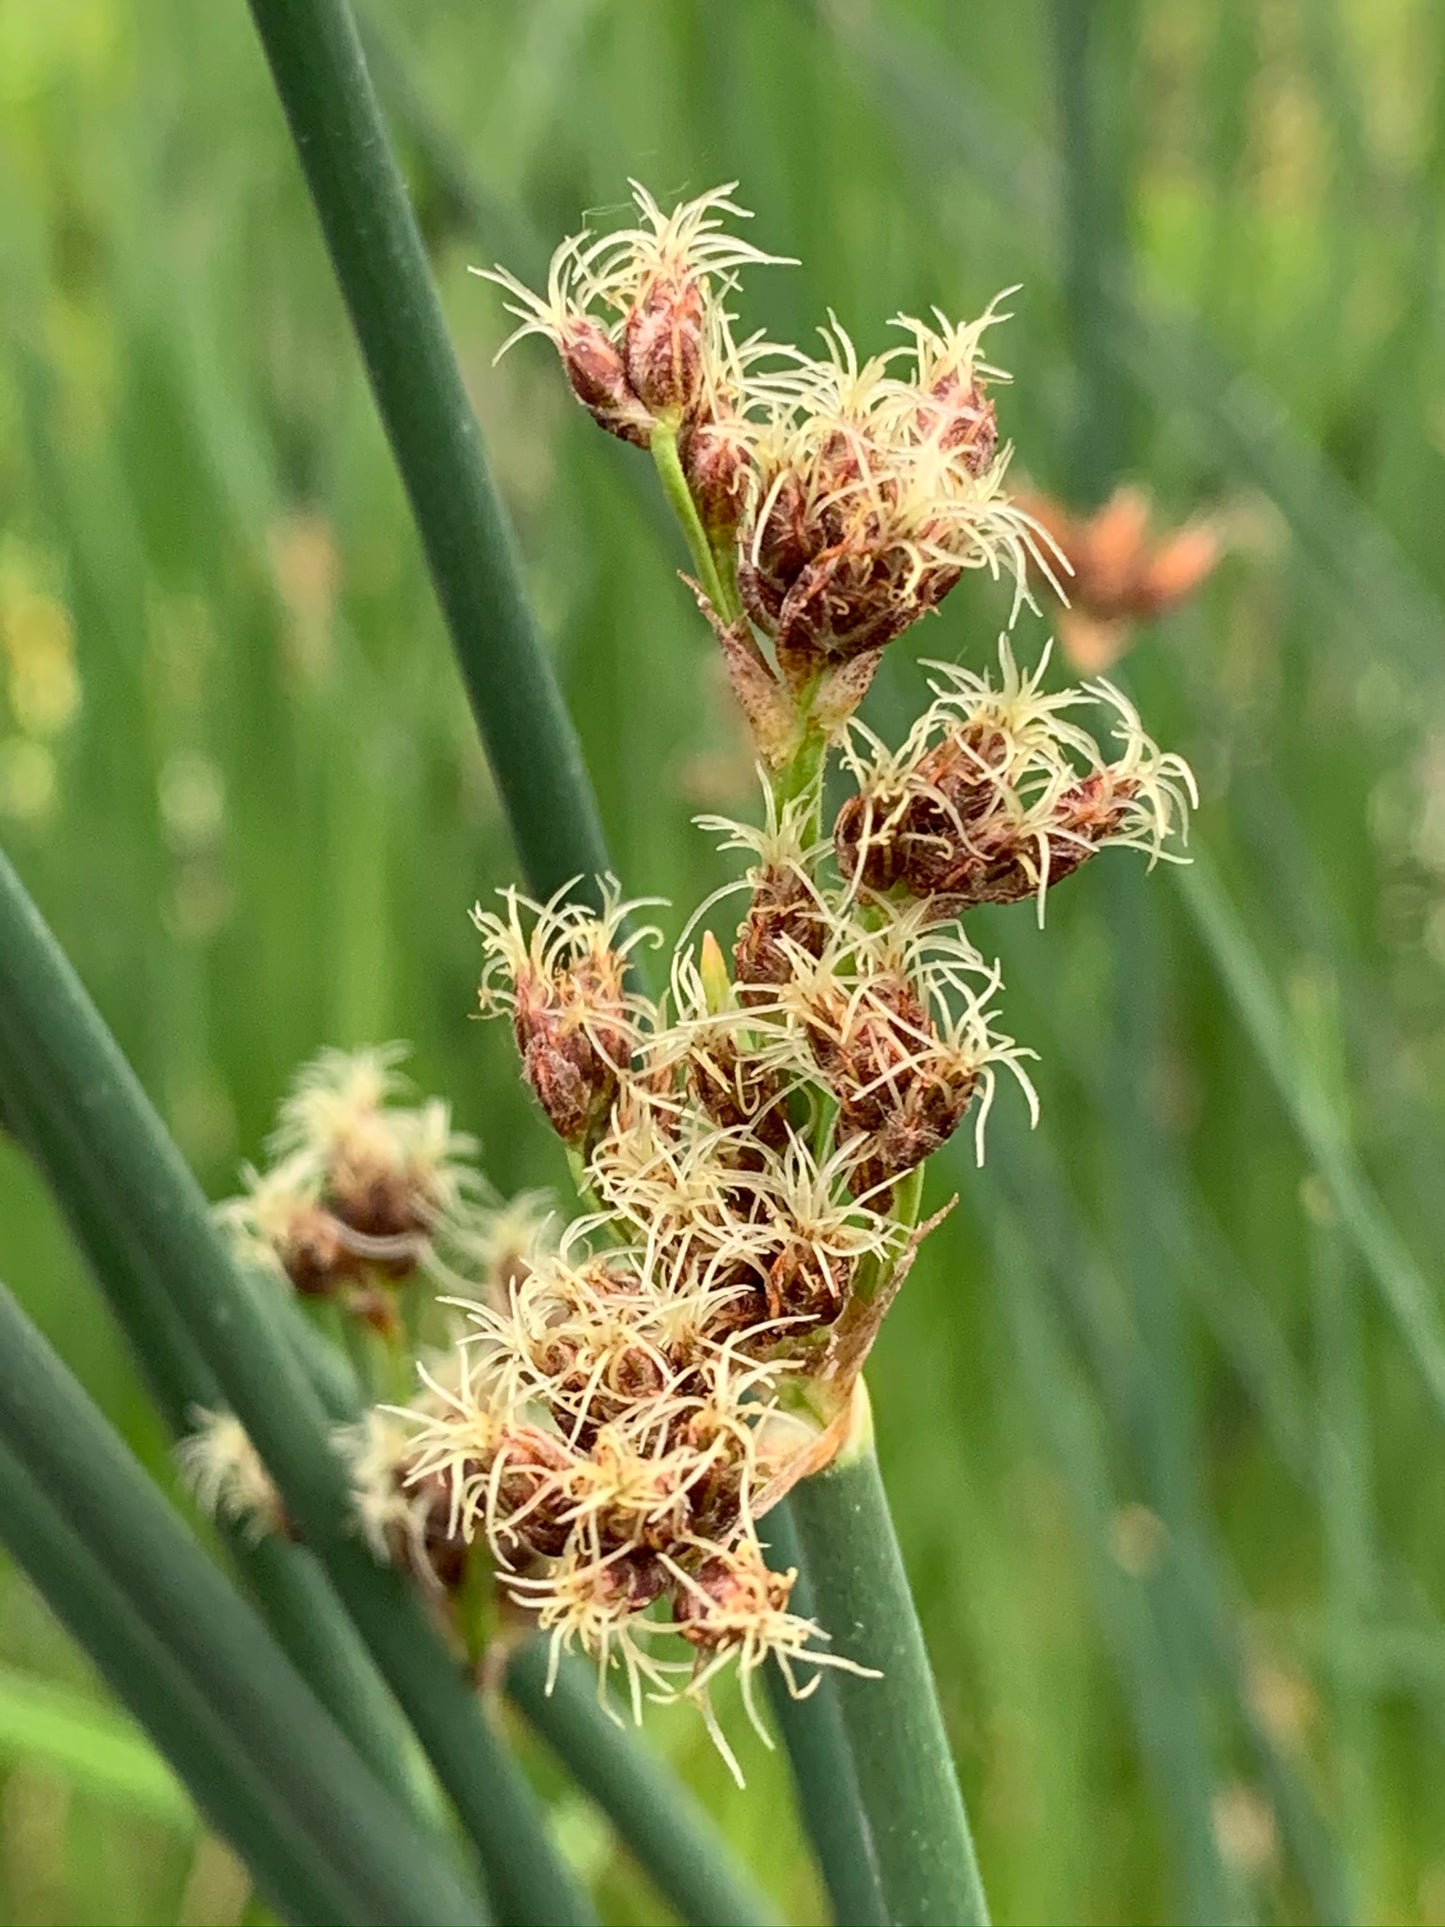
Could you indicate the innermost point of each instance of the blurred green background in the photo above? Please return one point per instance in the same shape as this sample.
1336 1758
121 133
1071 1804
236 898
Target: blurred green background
1166 1471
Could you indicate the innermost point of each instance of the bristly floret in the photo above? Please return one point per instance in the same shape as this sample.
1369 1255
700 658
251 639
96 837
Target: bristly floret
227 1477
733 1608
997 794
876 490
362 1186
901 1031
637 317
564 982
787 911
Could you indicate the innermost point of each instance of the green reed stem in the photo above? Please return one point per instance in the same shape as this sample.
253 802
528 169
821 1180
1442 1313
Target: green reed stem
321 76
377 1865
1406 1292
235 1796
295 1598
917 1832
284 1580
99 1138
821 1754
670 1837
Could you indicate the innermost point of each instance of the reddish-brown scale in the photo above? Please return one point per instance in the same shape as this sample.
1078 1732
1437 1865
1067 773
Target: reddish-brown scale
869 1052
784 546
663 346
801 1285
672 1519
315 1256
531 1491
964 420
821 573
899 1098
932 1110
445 1553
572 1038
717 468
379 1202
736 1091
598 378
864 854
783 913
951 837
717 1496
745 1308
635 1580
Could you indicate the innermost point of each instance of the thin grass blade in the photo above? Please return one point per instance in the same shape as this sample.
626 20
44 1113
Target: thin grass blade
321 76
375 1862
89 1746
669 1836
102 1139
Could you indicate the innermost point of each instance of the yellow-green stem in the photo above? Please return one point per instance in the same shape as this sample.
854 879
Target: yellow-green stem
721 591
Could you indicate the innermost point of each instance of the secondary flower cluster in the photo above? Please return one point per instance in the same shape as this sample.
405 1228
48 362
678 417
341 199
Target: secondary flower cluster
360 1185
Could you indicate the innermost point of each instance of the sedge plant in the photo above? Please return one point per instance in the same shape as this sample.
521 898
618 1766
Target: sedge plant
633 1432
629 1392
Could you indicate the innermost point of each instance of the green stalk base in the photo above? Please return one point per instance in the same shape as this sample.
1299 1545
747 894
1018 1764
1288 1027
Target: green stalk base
917 1831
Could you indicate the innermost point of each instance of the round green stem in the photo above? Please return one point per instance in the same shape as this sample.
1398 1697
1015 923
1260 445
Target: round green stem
283 1580
917 1832
821 1752
720 593
376 250
671 1837
384 1865
226 1784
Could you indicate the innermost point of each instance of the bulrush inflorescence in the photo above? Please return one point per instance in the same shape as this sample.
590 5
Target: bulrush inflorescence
997 794
360 1186
625 1396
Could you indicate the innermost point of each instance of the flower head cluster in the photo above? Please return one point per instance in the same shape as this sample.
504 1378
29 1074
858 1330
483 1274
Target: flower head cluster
1120 574
360 1183
637 316
564 984
836 499
227 1478
626 1396
998 793
878 484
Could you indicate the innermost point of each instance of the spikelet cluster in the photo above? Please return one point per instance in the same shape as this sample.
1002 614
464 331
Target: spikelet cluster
638 318
359 1187
227 1478
842 497
878 484
998 793
1120 572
